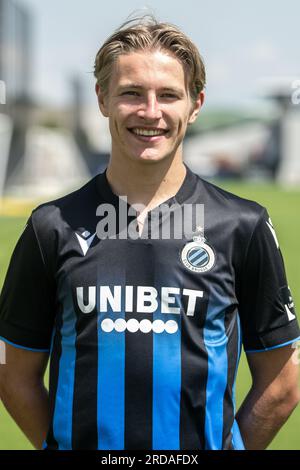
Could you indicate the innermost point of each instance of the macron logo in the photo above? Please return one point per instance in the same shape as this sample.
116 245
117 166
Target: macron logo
85 241
290 315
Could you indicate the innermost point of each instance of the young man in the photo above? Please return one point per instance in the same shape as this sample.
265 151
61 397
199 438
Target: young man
145 331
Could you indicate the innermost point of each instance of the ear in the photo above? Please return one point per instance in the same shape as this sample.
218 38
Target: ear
197 105
102 100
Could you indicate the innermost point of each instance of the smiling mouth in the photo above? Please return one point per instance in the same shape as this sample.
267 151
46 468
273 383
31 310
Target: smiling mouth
142 132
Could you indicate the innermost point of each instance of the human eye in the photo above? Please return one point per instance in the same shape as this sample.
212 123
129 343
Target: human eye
130 93
169 96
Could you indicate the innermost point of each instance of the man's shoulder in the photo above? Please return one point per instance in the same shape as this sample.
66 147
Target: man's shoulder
228 203
66 207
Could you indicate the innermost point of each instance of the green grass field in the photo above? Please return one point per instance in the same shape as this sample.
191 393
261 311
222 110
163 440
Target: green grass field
283 207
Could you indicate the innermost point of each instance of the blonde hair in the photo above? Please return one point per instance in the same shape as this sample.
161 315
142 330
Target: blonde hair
147 34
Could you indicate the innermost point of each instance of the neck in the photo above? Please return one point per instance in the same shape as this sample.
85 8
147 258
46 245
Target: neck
147 183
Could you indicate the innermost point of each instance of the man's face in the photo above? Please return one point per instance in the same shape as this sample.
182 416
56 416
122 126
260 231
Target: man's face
148 106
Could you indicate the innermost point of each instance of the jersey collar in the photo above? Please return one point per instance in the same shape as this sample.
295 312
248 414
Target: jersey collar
184 193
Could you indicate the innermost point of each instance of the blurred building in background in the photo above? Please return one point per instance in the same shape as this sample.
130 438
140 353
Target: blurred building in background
43 151
15 68
265 146
285 131
15 56
228 151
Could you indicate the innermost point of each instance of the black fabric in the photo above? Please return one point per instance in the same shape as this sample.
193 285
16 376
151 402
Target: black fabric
139 357
265 322
27 298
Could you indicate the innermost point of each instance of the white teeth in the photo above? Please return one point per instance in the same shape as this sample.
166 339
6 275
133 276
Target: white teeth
147 132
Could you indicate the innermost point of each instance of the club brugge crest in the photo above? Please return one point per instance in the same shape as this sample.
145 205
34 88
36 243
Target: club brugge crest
197 255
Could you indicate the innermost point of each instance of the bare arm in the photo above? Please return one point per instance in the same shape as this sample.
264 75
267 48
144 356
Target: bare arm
272 398
23 392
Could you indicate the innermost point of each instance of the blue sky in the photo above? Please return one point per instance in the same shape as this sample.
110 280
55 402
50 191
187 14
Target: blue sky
241 42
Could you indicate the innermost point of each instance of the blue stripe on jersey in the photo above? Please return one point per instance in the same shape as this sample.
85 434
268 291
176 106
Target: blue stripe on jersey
63 411
237 441
52 341
215 340
238 359
166 376
111 386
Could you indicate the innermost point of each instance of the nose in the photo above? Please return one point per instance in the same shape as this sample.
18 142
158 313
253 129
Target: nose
150 108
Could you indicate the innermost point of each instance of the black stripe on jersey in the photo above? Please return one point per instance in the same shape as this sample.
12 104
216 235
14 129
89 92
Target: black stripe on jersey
139 355
231 329
84 412
51 442
194 371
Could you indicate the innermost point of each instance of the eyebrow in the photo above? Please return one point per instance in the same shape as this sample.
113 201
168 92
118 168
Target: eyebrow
140 87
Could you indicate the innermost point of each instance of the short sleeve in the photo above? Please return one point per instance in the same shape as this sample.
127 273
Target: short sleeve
27 297
266 307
